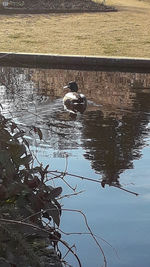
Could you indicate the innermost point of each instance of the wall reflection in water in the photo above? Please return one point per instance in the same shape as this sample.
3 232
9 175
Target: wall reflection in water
113 129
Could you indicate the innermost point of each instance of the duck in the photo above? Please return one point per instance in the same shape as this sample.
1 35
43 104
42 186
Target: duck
73 101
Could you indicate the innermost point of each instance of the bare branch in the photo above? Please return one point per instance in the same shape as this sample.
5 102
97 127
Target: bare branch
88 179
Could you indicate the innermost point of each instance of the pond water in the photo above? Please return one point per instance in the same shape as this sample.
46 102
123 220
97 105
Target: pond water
109 143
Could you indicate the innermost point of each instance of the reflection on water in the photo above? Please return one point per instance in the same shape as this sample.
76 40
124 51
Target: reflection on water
111 131
110 135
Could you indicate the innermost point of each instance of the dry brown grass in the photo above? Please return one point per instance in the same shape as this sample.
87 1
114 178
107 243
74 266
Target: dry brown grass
122 33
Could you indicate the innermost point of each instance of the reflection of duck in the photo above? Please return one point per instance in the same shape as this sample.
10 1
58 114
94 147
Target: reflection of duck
74 102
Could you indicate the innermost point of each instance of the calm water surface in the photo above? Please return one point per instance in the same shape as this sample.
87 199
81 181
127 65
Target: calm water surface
109 142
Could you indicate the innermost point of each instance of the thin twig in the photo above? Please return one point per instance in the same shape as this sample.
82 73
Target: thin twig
70 195
76 176
90 179
73 246
88 227
90 231
43 230
126 190
64 173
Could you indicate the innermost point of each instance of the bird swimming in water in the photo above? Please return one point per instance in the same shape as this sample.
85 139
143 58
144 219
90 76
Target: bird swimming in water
73 101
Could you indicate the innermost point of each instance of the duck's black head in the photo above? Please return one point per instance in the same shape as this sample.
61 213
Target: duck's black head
72 86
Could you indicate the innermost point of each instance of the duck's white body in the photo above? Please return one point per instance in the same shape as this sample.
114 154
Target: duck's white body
74 102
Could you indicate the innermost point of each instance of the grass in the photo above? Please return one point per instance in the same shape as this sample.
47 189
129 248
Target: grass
122 33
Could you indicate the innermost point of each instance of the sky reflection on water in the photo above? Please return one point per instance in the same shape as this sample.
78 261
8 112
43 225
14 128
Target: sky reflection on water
110 141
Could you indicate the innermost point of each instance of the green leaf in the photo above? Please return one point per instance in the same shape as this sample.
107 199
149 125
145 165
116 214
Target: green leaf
4 135
16 149
26 160
52 210
6 163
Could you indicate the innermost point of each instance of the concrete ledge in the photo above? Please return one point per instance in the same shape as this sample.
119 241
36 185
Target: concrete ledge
74 62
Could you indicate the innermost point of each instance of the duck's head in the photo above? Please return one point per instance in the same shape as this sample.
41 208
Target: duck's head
72 86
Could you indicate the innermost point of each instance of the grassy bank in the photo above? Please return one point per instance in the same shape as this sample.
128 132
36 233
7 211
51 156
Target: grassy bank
122 33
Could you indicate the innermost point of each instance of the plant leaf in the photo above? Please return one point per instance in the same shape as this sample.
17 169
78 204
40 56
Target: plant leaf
55 192
6 163
25 160
38 131
52 210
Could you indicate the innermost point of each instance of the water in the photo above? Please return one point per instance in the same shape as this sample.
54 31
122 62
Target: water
109 143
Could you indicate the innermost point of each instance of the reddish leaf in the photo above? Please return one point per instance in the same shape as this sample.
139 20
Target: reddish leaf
33 183
55 192
38 131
